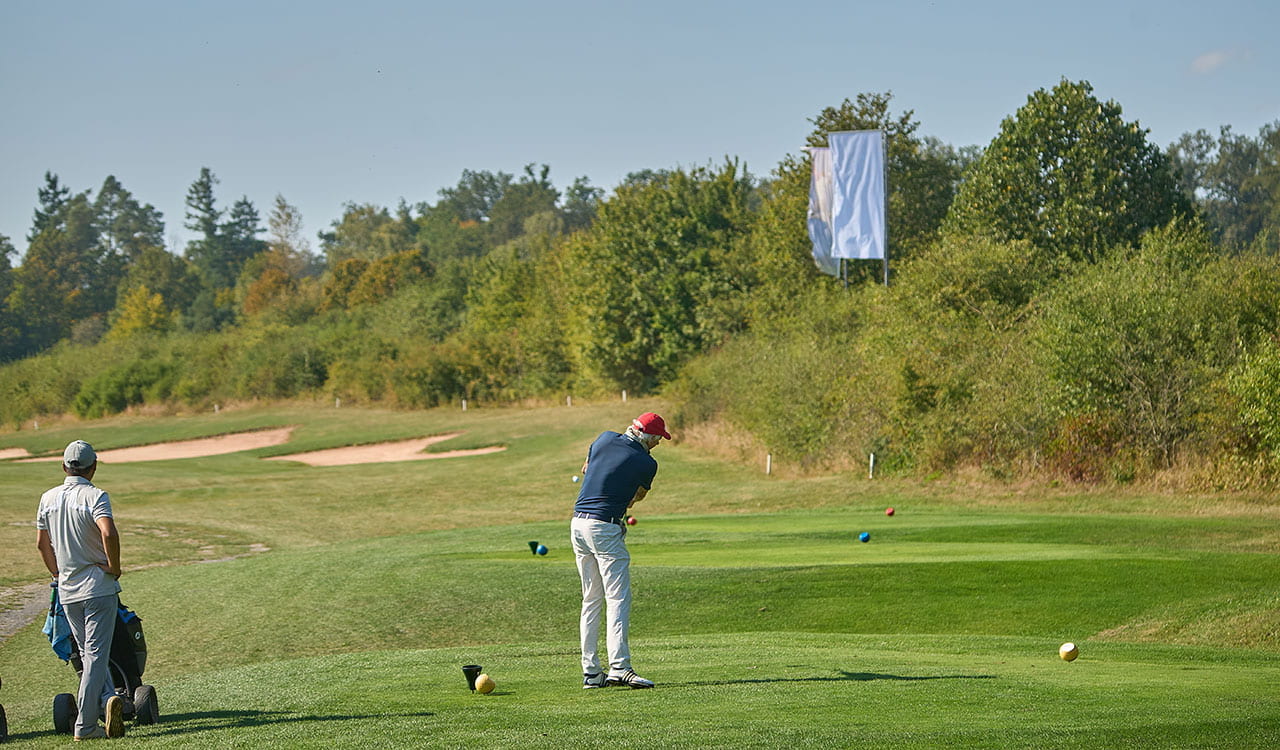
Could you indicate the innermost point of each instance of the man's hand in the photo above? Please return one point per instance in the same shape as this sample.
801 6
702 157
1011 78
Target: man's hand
115 572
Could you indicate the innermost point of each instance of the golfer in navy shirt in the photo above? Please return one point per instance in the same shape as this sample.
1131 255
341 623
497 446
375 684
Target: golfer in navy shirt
617 474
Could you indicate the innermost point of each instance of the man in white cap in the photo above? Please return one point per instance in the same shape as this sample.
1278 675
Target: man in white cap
77 538
618 474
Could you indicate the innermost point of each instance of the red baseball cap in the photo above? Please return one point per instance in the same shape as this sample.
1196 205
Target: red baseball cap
651 424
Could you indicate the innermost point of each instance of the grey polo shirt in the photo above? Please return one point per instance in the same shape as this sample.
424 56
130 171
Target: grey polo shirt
70 513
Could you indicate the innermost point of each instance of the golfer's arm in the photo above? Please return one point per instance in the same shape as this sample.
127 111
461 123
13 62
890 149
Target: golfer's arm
110 543
640 493
45 544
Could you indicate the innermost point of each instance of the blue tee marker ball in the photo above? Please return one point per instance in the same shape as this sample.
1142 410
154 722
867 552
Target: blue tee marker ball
542 549
864 537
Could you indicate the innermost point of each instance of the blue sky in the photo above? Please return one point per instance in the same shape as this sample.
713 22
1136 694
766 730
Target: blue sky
329 102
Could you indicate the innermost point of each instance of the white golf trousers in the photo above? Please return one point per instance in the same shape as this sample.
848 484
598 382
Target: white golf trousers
605 568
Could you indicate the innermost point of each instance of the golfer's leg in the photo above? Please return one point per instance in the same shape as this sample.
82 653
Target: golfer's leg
110 613
87 718
592 600
99 628
615 569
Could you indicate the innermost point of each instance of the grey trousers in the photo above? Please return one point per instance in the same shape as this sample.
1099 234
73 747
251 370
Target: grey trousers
93 623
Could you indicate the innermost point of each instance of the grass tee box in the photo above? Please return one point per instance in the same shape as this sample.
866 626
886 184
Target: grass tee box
761 690
762 618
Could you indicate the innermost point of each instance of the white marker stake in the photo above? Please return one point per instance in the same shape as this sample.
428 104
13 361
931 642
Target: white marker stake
464 404
768 463
568 400
624 395
871 467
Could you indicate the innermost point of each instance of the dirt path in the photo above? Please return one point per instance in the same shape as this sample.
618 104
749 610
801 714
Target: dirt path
23 604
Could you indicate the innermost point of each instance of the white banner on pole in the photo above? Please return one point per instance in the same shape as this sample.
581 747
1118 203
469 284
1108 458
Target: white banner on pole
820 212
858 195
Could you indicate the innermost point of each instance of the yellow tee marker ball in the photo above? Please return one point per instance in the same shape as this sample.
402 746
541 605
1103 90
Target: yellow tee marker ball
1068 651
485 684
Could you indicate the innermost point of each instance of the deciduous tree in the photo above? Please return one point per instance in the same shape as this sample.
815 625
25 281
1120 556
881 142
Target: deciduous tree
532 194
1234 182
140 312
1068 174
365 231
652 268
581 202
286 242
164 273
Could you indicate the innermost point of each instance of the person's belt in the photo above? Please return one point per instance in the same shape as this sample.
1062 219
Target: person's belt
597 517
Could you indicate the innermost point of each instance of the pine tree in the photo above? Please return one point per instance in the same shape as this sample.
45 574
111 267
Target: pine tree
211 253
240 234
125 226
53 199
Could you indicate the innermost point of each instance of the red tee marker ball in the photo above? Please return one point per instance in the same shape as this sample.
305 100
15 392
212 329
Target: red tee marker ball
631 520
888 511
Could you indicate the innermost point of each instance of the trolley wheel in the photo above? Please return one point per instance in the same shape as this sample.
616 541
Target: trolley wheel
64 713
146 708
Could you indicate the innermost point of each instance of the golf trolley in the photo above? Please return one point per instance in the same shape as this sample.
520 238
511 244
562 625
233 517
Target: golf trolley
127 660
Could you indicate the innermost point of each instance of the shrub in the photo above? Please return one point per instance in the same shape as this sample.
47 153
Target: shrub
277 361
1145 336
1256 386
118 388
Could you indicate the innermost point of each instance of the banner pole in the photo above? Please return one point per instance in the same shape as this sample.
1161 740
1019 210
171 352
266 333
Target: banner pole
884 140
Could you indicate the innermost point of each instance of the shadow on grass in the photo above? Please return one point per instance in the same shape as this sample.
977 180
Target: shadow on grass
212 721
842 676
208 721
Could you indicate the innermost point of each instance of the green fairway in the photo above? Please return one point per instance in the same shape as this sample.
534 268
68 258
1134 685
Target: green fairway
340 603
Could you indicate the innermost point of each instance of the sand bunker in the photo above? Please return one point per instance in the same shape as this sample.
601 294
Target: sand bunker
403 450
13 453
213 446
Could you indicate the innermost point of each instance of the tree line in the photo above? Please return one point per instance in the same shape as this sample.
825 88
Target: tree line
1069 298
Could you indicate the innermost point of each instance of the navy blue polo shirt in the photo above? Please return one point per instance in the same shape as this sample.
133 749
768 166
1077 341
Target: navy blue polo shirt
617 466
